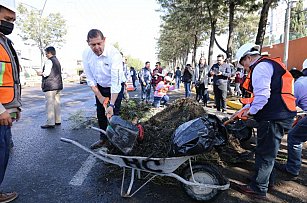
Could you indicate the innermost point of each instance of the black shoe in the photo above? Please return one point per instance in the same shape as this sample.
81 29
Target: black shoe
247 190
282 168
47 126
57 123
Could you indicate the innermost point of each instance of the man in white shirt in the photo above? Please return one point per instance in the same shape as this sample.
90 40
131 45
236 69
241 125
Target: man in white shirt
103 67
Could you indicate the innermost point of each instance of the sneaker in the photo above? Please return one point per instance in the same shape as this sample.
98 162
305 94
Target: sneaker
282 168
98 144
8 197
247 190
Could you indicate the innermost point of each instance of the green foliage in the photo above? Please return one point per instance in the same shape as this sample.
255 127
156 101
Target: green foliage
41 31
246 30
298 21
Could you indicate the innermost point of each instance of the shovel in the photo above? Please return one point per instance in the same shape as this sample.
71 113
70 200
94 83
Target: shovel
121 133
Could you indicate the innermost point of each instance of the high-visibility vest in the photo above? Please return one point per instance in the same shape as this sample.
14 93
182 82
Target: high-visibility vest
9 76
287 85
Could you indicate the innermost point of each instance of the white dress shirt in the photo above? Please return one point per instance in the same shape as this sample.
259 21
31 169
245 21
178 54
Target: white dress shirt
105 70
261 81
48 67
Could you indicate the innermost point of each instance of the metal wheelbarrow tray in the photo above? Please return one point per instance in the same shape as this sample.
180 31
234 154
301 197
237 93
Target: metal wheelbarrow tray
201 181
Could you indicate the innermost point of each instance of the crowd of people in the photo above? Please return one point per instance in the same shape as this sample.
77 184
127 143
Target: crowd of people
264 83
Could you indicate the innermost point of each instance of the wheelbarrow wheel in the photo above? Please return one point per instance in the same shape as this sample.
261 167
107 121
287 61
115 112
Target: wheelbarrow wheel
206 174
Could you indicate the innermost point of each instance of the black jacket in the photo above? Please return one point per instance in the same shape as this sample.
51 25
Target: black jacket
54 80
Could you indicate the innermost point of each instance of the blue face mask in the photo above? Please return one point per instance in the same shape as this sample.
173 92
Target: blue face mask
6 27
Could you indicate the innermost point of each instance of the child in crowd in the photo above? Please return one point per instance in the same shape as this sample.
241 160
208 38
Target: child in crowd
161 90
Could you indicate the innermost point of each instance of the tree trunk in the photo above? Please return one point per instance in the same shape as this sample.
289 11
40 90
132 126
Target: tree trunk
211 44
263 21
231 27
194 49
212 35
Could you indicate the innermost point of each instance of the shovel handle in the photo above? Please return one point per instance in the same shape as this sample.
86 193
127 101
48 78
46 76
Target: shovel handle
105 105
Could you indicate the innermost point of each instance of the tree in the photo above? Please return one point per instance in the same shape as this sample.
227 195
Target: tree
41 31
263 20
298 21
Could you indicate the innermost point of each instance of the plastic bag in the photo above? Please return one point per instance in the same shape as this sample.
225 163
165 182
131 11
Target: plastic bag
198 136
240 130
122 134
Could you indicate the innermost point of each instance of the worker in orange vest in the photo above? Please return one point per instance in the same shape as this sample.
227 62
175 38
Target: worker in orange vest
9 88
272 105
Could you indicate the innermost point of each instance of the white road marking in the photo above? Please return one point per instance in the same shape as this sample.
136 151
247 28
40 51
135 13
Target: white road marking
82 173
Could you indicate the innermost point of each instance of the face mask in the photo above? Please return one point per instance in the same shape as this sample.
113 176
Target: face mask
6 27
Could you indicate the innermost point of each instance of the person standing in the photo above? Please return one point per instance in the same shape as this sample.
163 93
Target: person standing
178 77
103 67
201 80
220 71
10 101
187 79
238 81
52 84
145 80
272 105
133 76
298 134
157 75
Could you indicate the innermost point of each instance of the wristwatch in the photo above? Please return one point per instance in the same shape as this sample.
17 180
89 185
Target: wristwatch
112 105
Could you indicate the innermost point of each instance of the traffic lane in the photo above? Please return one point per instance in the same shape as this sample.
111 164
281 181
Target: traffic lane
41 167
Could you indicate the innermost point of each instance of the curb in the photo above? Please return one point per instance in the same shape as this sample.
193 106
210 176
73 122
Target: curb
233 104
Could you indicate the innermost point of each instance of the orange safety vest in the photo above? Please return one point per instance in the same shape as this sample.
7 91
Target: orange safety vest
6 77
287 89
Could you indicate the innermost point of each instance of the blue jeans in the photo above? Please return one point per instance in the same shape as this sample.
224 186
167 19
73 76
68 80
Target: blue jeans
296 136
178 82
157 101
187 88
145 94
5 141
269 135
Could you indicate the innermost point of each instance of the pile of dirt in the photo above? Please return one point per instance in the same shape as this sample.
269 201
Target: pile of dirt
160 126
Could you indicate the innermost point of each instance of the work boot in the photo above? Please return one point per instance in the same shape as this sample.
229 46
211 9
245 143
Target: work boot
98 144
287 175
247 190
8 197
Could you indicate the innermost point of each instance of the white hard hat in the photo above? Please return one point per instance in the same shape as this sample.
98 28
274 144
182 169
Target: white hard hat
305 64
247 49
9 4
167 78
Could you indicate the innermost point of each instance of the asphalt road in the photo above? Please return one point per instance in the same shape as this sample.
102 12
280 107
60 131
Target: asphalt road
44 169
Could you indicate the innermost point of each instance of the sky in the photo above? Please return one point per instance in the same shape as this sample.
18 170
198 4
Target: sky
134 24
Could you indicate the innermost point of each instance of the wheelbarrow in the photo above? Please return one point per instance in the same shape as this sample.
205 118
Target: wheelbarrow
201 181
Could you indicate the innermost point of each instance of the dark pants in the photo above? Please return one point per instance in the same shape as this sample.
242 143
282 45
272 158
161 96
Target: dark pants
269 135
202 93
220 94
5 141
133 82
101 113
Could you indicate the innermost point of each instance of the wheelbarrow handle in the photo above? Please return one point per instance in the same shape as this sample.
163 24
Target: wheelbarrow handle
99 130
